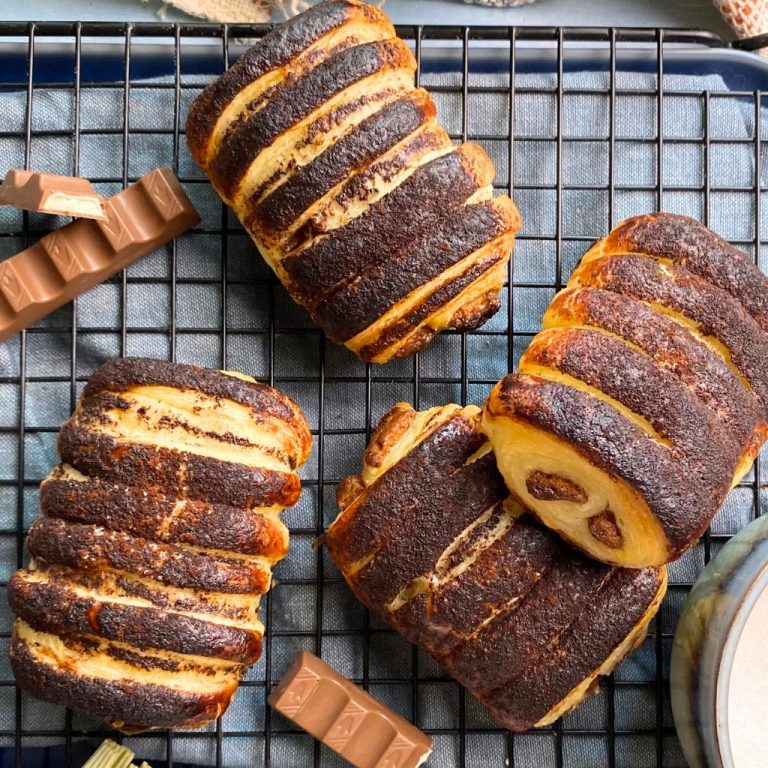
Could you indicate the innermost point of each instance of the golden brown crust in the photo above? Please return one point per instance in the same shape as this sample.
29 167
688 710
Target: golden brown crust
432 547
682 502
351 308
390 430
412 325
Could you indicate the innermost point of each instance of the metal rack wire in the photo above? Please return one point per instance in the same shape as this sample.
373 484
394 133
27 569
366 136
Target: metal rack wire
186 304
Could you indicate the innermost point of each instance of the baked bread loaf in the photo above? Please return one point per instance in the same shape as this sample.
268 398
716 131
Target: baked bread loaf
159 531
645 397
358 200
430 541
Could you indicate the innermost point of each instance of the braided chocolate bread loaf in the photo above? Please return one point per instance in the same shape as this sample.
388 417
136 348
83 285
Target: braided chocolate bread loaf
158 534
429 540
645 397
358 200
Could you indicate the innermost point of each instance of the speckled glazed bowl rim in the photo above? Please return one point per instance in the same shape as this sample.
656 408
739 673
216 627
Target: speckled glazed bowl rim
725 667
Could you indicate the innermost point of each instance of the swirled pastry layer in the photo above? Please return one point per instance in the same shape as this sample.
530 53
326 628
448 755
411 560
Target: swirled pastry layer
647 390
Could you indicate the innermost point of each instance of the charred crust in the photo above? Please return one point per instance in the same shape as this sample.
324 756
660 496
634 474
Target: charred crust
547 487
294 100
361 146
477 312
609 616
642 385
446 617
672 346
516 640
150 513
52 607
365 185
122 584
126 373
604 528
419 475
121 702
462 231
219 526
185 475
501 618
683 504
90 547
690 244
387 168
717 312
420 337
396 222
424 529
274 50
314 132
390 429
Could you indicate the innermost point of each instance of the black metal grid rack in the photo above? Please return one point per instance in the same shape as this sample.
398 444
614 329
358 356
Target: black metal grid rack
91 98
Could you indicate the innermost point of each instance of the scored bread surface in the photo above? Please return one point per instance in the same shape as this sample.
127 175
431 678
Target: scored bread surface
428 539
159 531
646 391
359 201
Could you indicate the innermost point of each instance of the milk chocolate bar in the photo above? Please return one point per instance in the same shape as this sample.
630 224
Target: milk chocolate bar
69 261
51 193
346 718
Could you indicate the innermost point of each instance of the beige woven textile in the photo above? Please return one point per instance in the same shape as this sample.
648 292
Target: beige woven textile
746 17
243 11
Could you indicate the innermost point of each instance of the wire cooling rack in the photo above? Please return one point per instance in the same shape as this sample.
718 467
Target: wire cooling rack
606 124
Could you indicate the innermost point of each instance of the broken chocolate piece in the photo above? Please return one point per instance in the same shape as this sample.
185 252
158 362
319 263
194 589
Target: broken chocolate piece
51 193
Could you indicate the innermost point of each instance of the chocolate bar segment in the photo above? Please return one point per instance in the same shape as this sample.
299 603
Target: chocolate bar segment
73 259
51 193
346 718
